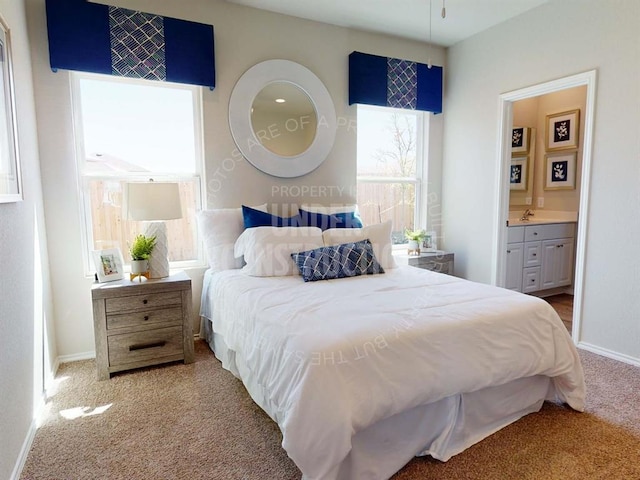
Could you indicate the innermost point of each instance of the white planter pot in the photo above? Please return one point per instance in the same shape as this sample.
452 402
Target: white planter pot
139 266
413 248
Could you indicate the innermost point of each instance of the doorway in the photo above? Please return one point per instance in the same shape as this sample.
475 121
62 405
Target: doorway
503 170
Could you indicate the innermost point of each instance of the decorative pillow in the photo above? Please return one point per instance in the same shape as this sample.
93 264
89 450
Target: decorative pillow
267 250
256 218
379 235
219 229
337 261
334 220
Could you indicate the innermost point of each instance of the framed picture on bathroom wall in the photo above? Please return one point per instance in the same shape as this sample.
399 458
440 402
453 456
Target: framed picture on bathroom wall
560 171
518 174
520 140
562 131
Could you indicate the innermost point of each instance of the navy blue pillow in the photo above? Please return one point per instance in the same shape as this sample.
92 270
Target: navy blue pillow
337 261
335 220
256 218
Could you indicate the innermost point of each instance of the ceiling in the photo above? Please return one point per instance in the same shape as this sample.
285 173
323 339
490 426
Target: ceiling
404 18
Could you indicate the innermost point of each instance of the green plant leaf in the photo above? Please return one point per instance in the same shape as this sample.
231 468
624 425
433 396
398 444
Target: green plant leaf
142 247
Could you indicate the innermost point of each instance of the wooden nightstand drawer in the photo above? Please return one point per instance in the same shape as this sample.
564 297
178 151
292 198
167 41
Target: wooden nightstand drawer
169 316
129 348
142 302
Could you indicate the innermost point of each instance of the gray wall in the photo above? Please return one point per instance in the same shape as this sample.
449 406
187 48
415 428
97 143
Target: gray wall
24 288
557 39
243 37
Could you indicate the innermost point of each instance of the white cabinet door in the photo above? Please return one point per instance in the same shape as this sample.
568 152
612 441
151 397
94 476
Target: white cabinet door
548 278
514 266
564 263
557 263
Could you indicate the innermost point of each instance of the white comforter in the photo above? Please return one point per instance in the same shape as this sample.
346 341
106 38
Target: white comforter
328 359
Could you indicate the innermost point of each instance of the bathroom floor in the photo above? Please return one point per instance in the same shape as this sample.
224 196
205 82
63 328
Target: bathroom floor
563 304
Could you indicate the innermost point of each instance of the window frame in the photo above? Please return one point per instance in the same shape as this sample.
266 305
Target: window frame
422 158
83 180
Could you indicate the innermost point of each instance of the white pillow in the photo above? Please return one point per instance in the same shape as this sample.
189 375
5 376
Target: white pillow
267 250
219 229
329 210
379 234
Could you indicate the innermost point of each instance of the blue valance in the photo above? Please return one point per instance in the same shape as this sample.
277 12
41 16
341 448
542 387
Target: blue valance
92 37
392 82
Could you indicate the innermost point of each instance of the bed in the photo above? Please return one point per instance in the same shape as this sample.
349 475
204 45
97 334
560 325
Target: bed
362 374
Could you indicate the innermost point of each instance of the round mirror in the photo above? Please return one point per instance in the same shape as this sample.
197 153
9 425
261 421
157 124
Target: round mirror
282 118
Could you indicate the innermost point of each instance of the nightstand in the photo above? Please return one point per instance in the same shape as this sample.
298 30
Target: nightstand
438 261
138 324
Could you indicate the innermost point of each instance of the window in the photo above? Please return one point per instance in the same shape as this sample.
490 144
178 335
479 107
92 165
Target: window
135 130
390 161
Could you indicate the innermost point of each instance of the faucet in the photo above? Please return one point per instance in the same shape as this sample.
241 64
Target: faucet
525 216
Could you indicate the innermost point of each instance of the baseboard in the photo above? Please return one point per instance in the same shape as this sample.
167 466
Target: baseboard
609 354
74 358
24 451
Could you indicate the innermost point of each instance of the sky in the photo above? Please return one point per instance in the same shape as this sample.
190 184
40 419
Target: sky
117 115
373 135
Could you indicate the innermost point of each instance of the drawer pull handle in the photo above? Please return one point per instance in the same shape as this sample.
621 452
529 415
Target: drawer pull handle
146 317
142 346
145 301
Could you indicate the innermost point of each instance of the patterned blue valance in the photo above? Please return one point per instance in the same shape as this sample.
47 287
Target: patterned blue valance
392 82
92 37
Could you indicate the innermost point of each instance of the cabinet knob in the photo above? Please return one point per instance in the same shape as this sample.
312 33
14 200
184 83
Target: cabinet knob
508 251
145 301
534 254
533 280
146 317
535 233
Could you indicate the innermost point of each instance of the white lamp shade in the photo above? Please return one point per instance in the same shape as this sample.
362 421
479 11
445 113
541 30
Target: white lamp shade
152 201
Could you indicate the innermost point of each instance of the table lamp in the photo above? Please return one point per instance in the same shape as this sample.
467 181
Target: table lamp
154 202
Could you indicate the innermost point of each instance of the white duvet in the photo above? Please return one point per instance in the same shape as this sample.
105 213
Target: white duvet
330 358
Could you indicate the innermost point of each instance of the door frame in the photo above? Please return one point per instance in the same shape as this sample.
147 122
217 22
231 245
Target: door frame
505 122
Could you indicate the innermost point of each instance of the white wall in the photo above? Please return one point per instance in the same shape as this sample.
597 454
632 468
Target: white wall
243 37
557 39
24 287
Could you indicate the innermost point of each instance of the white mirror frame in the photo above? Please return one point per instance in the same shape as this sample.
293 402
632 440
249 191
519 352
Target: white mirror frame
245 91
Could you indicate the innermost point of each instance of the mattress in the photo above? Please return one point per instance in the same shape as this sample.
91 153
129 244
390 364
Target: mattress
363 373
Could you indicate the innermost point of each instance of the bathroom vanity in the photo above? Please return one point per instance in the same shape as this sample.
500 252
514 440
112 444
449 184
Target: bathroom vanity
540 256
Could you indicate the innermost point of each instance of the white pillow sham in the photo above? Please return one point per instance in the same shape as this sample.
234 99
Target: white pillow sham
267 250
219 229
379 234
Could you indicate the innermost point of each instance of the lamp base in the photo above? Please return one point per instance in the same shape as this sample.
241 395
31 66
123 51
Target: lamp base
158 261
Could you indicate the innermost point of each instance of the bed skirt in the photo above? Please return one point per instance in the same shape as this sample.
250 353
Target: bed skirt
441 429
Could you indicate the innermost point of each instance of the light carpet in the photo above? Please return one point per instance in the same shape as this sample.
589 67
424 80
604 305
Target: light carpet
198 422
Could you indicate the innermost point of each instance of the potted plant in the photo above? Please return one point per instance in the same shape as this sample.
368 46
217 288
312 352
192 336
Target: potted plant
140 251
414 237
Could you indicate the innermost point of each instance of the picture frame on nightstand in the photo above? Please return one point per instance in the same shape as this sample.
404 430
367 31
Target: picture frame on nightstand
430 242
109 264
